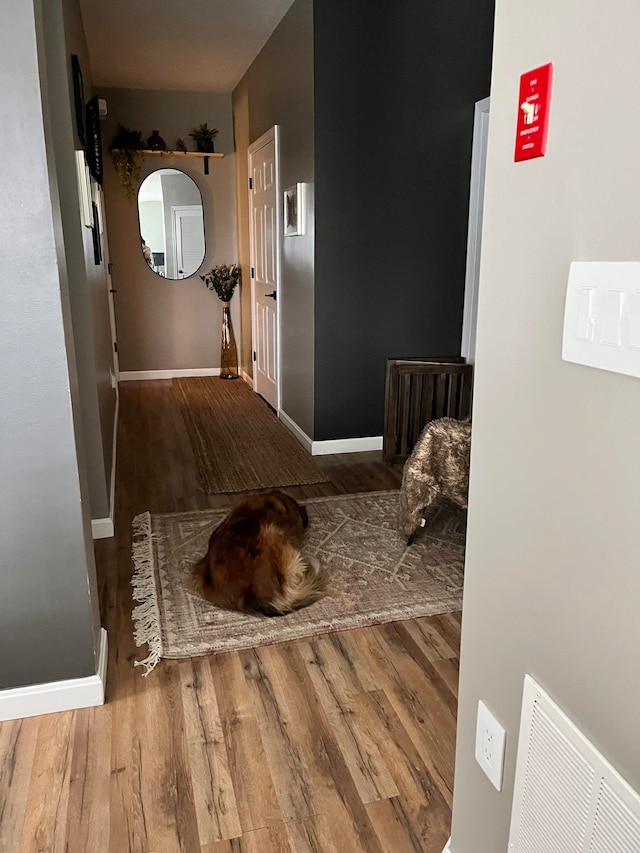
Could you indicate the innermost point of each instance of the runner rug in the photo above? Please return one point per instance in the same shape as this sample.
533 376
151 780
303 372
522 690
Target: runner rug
238 442
373 576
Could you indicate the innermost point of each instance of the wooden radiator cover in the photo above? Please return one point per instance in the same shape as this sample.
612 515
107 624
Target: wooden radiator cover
418 391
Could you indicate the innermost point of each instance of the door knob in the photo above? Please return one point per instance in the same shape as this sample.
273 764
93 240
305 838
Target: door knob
271 295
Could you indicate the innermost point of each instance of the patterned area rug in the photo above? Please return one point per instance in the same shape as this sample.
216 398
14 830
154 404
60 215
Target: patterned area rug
238 442
374 576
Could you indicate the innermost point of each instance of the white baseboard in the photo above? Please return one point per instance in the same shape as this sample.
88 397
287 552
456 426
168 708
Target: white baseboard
346 445
334 445
135 375
293 427
248 379
54 696
103 660
103 528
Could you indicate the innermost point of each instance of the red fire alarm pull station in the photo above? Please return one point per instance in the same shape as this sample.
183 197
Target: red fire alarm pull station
533 113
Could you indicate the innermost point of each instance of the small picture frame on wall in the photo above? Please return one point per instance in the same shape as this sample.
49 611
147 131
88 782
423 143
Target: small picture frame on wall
295 210
78 99
97 198
84 189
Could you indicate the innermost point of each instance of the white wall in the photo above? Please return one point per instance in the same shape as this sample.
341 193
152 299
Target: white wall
280 92
47 622
63 36
552 580
151 215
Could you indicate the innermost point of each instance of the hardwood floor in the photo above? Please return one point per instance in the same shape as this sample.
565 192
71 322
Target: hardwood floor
339 744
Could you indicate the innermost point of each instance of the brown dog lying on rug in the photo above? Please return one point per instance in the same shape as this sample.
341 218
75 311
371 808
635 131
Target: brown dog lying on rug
254 563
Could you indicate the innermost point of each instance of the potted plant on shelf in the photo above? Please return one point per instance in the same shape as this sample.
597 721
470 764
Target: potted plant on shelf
204 136
224 279
126 147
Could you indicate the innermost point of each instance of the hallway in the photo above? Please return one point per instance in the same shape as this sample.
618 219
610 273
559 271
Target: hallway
343 742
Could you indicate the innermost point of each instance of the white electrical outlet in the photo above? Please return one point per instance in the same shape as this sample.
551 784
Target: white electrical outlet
490 741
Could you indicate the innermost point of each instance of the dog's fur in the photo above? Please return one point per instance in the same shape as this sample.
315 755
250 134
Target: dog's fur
254 564
438 465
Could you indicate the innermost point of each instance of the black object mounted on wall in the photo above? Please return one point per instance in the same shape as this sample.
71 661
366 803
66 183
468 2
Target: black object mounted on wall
94 139
95 228
78 99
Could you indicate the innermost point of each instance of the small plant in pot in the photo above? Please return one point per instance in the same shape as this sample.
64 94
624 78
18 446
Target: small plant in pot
204 136
223 279
125 148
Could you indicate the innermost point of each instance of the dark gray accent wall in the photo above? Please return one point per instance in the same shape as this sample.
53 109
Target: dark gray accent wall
394 88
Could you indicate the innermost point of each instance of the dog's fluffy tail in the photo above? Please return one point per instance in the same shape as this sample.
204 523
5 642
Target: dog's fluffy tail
305 582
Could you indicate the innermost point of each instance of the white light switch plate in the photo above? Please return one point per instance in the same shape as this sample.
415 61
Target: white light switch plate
602 316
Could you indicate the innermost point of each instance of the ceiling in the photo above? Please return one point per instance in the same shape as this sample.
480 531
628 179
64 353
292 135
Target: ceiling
192 45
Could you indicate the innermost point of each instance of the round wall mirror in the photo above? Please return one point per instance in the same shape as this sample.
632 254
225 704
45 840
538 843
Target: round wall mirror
171 223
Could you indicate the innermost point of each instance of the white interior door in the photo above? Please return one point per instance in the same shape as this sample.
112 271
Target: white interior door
474 235
265 232
188 239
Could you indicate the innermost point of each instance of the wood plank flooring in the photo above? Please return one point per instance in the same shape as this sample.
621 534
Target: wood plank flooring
342 743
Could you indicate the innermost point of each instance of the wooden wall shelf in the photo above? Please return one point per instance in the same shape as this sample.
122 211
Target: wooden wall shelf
202 155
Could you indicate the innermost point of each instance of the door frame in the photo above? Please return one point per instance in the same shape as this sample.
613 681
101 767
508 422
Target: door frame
106 259
273 134
474 233
178 211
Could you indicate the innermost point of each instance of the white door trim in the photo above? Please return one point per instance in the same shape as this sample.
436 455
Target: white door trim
115 370
273 134
178 212
474 233
104 528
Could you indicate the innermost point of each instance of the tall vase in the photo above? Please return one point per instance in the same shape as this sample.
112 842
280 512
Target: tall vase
228 348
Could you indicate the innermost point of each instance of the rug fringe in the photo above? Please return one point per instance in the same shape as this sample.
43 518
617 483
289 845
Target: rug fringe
146 616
